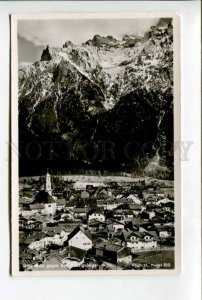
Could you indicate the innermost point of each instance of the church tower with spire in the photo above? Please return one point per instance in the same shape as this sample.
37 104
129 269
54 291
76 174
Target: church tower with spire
48 187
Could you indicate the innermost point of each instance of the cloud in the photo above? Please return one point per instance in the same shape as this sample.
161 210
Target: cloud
56 32
28 51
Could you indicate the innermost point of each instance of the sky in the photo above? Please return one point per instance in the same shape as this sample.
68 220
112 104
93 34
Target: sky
34 35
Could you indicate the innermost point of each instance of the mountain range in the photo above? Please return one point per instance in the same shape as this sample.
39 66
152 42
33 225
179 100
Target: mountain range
106 104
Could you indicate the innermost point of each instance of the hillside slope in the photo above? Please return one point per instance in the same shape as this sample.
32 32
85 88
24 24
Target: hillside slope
109 94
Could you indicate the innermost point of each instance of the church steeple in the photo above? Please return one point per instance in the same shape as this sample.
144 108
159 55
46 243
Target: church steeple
48 187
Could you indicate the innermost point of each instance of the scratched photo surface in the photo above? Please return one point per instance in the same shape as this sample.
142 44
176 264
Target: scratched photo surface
95 139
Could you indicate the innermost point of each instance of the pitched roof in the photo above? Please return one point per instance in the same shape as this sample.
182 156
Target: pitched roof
135 206
133 197
123 212
124 252
95 222
137 221
129 233
53 230
61 201
43 197
126 233
96 210
76 230
80 210
112 221
161 228
124 201
36 236
109 246
36 206
74 252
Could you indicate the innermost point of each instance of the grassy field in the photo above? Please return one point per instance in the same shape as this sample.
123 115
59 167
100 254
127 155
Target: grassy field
155 257
101 179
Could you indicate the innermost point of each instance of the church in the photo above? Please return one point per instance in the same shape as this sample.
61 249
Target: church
45 198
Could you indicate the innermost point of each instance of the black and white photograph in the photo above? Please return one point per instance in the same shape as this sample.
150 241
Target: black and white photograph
95 126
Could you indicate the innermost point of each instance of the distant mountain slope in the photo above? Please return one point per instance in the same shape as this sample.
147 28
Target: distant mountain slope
108 90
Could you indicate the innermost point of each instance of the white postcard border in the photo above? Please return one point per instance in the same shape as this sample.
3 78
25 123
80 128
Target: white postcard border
14 142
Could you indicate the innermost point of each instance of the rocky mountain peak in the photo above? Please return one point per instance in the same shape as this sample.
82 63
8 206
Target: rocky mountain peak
68 44
74 89
46 56
99 41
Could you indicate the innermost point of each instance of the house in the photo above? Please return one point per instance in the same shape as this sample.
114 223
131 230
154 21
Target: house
101 233
85 194
149 193
137 221
124 201
27 212
168 206
35 241
80 238
163 232
102 203
119 196
90 189
164 201
123 214
73 257
136 208
68 215
71 197
36 208
70 205
134 224
96 214
79 185
151 199
104 193
28 224
149 226
80 213
148 214
50 236
114 225
68 184
61 204
111 204
169 218
158 221
58 191
135 199
139 240
55 235
50 208
151 230
113 253
94 226
160 195
25 200
44 198
22 222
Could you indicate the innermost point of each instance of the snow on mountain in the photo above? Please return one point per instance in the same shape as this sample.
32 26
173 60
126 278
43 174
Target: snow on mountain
116 67
72 85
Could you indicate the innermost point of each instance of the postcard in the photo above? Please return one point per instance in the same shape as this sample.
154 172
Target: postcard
95 144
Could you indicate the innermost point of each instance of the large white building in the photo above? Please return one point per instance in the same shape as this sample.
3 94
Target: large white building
96 214
80 238
137 241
